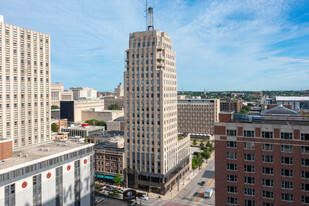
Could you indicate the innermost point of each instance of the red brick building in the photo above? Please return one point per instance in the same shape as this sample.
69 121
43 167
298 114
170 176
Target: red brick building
262 161
109 160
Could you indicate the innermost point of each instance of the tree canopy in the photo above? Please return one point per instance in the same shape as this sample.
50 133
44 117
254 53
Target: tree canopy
117 179
96 122
55 107
113 107
54 127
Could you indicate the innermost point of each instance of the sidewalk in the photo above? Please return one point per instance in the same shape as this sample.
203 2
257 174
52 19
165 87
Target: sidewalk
182 184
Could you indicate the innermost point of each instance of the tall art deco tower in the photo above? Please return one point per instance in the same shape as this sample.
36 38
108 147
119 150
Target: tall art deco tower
150 82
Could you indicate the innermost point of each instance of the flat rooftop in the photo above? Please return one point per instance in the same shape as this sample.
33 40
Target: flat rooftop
196 101
89 128
35 152
292 98
108 146
107 134
282 120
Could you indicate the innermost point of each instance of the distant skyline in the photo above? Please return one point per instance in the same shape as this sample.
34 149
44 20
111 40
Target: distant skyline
220 45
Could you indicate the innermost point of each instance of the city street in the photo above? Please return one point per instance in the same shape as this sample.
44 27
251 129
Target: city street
190 195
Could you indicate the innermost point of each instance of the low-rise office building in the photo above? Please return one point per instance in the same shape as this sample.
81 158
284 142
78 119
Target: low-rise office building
60 136
108 136
59 94
72 110
110 100
297 103
262 160
197 116
48 174
61 123
104 115
80 131
116 124
83 93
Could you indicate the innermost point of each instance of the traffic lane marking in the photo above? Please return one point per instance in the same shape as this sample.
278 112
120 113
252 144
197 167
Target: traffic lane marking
207 186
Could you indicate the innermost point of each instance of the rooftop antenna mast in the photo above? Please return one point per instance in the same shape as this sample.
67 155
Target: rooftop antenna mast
150 19
146 16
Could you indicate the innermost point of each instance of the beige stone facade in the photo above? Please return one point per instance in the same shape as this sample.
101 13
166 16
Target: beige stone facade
150 105
86 105
113 100
83 93
24 86
59 94
197 115
105 115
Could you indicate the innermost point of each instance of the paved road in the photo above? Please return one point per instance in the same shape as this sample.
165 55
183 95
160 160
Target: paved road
114 202
110 201
190 194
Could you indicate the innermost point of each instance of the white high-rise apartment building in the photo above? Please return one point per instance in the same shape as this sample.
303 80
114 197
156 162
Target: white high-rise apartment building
150 106
24 85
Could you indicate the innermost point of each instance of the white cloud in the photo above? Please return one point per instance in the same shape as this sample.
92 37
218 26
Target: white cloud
222 45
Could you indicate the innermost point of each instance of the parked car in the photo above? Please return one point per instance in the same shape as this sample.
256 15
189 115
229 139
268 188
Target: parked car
107 187
139 194
144 197
121 191
203 183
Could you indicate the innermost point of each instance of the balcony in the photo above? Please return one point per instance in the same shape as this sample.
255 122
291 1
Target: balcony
160 64
160 58
160 48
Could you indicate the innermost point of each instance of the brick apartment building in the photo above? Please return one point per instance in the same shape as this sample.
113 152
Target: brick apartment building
228 105
262 160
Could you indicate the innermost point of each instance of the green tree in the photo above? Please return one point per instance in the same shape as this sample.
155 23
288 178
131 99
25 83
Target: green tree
194 162
96 122
117 179
54 127
55 107
194 142
206 154
202 145
210 146
113 107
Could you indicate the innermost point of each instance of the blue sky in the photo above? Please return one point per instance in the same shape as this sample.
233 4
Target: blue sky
220 45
